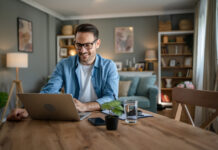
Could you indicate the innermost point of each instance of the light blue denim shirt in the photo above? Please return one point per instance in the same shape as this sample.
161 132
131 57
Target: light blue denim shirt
105 78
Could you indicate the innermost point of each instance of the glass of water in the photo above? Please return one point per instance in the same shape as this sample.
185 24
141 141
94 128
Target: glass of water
130 110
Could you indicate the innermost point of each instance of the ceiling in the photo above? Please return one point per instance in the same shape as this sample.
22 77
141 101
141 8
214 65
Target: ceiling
93 9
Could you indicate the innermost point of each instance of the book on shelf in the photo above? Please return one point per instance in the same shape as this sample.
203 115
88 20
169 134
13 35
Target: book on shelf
163 62
189 73
164 98
164 50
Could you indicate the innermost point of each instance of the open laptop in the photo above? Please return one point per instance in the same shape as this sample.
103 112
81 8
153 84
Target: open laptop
51 106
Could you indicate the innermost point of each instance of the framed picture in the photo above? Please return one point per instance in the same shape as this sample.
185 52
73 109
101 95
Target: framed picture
140 66
172 63
119 66
63 52
124 40
188 61
25 35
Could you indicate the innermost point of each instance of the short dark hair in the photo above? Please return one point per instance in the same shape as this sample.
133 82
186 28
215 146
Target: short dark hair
87 28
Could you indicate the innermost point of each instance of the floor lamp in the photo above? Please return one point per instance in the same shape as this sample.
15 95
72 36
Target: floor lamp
15 60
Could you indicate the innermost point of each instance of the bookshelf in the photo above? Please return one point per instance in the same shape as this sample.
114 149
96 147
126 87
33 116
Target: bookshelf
175 62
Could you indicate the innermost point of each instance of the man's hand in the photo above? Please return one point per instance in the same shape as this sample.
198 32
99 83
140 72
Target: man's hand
90 106
17 114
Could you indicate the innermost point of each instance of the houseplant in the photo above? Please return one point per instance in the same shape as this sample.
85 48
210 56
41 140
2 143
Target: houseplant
3 99
115 109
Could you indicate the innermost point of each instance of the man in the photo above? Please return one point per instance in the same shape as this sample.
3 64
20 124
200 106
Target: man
91 79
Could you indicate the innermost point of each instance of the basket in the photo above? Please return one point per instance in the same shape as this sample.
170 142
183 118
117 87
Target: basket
185 24
67 30
165 26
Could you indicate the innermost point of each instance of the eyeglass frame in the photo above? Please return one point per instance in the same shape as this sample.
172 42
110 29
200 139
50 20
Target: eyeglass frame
84 45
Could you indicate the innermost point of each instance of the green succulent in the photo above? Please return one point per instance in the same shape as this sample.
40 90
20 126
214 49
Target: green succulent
113 106
3 99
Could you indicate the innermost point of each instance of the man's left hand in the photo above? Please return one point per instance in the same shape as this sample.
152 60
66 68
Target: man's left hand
91 106
79 105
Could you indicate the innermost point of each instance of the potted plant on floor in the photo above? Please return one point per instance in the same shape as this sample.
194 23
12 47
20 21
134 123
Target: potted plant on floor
115 109
3 99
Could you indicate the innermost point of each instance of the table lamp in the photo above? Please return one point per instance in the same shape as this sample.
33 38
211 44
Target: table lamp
15 60
150 56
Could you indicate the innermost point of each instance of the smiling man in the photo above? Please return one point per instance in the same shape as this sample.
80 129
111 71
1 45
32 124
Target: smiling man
91 79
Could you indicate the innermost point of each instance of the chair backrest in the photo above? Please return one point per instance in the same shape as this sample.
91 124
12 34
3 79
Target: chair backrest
202 98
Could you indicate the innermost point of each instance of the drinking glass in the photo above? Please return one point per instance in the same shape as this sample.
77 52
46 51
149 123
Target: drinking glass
130 110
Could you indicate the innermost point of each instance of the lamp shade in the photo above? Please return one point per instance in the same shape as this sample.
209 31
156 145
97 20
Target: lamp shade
17 60
150 55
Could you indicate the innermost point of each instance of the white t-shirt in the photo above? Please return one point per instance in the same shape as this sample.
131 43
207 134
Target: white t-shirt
87 92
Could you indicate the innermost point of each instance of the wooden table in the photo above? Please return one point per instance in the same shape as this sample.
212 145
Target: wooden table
155 133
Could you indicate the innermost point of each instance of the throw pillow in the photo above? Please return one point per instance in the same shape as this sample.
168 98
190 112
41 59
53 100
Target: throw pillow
133 86
124 88
144 84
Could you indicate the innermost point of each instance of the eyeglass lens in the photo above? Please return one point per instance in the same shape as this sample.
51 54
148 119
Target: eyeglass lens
85 45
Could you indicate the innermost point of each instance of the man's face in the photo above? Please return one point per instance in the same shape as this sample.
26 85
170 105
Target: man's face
86 45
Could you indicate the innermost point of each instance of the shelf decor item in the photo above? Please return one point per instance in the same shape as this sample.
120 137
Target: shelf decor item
119 66
188 61
63 52
168 83
140 66
172 63
15 60
150 56
186 84
25 35
165 39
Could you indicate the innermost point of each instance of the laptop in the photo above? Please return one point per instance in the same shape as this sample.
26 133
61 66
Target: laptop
51 107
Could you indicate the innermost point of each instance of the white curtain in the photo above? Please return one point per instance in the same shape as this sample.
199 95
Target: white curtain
205 52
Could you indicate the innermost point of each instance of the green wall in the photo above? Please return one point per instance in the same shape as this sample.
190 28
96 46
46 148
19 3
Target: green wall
41 60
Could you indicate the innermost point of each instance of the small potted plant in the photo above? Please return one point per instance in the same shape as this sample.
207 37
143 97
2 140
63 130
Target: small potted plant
3 99
115 109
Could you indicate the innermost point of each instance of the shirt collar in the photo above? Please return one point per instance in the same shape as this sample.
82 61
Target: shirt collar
96 63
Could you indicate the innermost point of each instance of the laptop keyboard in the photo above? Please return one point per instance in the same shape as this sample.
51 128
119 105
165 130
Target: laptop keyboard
83 115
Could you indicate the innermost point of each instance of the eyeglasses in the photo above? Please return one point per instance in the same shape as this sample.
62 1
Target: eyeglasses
87 46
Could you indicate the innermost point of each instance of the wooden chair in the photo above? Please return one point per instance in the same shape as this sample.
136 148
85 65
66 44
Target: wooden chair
208 99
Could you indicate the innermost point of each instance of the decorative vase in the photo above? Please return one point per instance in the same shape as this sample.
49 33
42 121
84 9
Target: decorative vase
168 83
111 122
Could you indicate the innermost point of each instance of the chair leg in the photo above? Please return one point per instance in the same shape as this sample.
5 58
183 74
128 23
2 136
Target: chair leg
189 115
178 112
8 101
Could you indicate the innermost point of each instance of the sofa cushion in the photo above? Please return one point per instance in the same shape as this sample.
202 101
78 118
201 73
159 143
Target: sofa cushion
143 102
144 84
133 86
124 88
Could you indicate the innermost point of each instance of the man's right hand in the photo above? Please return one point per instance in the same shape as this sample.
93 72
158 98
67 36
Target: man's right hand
17 114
